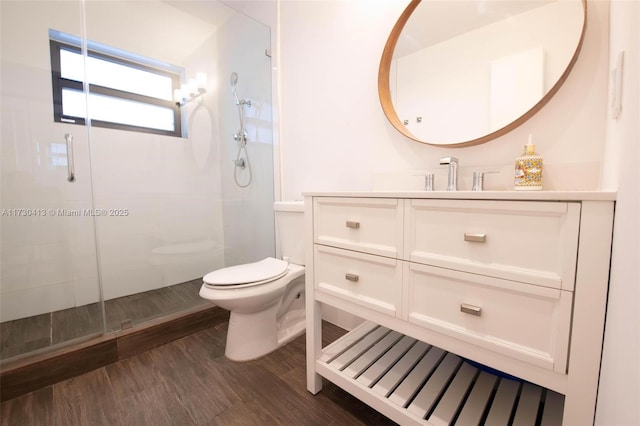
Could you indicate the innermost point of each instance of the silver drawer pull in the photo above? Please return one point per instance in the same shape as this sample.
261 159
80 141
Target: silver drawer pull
476 238
352 224
470 309
351 277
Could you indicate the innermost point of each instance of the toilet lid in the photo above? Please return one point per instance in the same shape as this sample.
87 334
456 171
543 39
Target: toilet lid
264 270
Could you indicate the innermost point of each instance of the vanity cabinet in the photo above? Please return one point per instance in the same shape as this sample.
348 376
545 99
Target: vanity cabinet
478 306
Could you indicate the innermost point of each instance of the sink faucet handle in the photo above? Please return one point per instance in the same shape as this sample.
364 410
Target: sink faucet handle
478 180
429 182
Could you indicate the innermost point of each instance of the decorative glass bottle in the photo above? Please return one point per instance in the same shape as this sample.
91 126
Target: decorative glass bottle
528 170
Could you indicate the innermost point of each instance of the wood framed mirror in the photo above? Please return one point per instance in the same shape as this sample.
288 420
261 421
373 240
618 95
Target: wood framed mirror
464 72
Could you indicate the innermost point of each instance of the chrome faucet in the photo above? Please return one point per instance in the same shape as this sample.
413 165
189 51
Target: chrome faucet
452 182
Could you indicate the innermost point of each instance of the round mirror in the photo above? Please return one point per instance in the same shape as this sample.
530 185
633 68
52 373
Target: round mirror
459 73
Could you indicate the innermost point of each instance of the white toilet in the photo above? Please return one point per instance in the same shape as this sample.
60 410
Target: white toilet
265 298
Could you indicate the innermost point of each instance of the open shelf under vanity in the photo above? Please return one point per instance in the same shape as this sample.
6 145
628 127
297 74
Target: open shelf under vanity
423 384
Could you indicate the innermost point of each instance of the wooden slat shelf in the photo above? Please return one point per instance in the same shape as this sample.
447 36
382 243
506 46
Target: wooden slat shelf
412 382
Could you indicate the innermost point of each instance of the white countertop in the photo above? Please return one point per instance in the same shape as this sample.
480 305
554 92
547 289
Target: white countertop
476 195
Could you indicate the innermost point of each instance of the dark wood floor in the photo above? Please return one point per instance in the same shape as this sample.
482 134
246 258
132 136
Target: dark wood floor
24 335
190 382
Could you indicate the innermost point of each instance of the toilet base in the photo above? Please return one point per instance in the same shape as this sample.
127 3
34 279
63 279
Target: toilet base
251 336
290 326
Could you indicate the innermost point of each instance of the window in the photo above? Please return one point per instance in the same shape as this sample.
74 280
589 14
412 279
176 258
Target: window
126 91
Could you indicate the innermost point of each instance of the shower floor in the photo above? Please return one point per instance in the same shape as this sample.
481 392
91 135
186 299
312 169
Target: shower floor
34 333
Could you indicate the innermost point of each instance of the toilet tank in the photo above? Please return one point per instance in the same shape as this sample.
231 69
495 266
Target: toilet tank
290 230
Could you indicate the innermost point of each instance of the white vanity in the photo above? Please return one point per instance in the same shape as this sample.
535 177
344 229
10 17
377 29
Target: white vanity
480 306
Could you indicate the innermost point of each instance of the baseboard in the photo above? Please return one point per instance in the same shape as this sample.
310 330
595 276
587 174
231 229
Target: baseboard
29 374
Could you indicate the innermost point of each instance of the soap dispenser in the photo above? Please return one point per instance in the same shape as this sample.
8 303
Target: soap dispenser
528 170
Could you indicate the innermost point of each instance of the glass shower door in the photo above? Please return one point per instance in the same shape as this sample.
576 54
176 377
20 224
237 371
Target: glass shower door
173 181
49 286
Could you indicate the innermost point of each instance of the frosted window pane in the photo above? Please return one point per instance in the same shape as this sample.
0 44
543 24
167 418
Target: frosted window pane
73 103
71 66
115 76
116 110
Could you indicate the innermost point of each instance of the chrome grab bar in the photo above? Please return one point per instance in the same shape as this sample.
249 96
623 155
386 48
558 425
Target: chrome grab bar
71 177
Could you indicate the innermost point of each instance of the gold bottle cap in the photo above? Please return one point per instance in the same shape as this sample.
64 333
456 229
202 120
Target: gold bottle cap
530 148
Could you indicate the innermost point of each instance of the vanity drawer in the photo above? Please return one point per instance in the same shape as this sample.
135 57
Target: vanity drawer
527 241
526 322
371 281
369 225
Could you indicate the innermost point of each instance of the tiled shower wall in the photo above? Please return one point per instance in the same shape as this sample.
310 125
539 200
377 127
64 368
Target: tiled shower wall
249 222
178 192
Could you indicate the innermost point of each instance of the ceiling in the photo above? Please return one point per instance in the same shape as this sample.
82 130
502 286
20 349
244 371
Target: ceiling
435 21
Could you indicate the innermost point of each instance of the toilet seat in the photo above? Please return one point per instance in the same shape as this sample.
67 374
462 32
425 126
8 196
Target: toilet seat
249 274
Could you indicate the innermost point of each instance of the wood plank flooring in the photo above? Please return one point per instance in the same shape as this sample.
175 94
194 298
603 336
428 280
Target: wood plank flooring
25 335
31 373
190 382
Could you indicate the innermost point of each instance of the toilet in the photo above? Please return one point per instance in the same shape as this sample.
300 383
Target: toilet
265 298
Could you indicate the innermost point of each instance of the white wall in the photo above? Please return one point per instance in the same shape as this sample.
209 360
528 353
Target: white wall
619 391
266 12
248 211
178 225
335 135
171 185
48 262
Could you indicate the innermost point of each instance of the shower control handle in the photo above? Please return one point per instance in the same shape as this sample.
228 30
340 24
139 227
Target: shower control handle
241 136
71 174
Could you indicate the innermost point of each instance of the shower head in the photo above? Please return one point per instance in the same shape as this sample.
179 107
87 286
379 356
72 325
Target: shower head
234 81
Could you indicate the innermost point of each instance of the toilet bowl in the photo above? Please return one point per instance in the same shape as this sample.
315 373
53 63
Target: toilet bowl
265 298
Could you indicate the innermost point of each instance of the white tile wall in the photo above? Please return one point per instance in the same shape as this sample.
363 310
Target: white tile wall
34 301
173 188
117 282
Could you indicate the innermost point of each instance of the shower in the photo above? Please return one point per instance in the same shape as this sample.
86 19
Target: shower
242 158
66 258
